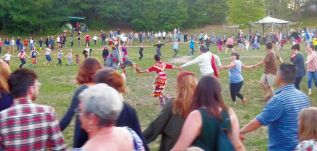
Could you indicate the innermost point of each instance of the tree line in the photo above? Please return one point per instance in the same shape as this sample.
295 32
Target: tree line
29 16
45 15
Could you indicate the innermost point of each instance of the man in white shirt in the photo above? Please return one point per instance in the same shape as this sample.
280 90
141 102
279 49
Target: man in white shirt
204 62
164 35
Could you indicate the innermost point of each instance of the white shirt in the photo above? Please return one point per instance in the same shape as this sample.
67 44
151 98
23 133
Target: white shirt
95 38
31 41
164 34
7 57
159 34
12 42
204 63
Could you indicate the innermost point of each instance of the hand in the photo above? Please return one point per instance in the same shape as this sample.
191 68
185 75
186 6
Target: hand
241 136
180 68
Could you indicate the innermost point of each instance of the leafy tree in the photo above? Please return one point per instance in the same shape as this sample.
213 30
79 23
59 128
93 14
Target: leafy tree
243 11
203 12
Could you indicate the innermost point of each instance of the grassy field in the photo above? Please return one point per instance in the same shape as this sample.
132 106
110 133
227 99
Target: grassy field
58 86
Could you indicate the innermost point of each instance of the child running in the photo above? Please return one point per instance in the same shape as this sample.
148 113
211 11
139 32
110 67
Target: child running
69 57
59 57
22 56
33 56
161 77
48 58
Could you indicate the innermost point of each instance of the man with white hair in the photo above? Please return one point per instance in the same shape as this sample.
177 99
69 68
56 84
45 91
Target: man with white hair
98 112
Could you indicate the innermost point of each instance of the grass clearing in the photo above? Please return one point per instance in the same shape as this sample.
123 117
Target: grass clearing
58 86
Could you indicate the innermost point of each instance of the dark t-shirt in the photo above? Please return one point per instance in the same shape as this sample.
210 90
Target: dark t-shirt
6 101
299 62
270 66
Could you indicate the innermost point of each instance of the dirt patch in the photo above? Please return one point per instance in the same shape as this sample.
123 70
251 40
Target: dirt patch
180 60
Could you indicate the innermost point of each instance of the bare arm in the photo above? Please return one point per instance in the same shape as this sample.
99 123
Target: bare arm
235 132
231 65
251 126
190 130
260 63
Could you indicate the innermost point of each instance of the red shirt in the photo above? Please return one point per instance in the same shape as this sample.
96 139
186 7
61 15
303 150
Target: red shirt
27 126
87 37
159 68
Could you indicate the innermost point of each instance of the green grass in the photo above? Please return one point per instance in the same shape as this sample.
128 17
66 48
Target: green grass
58 87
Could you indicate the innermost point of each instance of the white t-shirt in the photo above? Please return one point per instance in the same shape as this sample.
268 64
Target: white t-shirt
7 57
164 34
12 42
47 51
204 63
95 38
31 41
159 34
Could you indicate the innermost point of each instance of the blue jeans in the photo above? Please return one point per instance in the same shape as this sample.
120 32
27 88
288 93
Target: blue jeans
311 76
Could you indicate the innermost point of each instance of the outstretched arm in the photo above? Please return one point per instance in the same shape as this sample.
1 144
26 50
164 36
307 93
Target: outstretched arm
231 65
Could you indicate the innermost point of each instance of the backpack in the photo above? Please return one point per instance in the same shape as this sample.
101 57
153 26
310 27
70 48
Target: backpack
223 141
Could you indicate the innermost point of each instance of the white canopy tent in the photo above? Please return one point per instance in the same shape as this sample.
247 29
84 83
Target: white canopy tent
269 21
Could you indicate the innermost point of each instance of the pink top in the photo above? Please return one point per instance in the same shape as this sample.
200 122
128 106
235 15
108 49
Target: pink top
230 41
312 62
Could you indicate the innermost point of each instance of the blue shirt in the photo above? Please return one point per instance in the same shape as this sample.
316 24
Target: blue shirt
281 116
192 44
235 75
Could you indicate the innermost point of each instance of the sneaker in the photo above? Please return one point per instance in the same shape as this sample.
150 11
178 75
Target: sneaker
309 91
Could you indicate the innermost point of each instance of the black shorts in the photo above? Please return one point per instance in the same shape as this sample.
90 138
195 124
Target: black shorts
230 46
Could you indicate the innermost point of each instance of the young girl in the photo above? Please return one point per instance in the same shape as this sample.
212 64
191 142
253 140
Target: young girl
161 78
219 44
33 56
48 58
59 57
69 57
22 56
77 59
307 130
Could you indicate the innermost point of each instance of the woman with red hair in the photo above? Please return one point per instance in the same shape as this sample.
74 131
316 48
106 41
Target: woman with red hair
171 119
85 78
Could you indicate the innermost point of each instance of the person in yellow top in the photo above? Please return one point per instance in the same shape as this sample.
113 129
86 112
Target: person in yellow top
315 43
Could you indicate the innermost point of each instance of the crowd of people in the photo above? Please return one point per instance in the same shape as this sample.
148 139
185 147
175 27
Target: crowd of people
196 119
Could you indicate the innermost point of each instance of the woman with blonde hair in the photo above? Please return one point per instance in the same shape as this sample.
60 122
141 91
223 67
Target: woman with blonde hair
5 99
170 121
307 130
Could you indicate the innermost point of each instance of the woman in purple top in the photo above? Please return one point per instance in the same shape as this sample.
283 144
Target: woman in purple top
5 98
